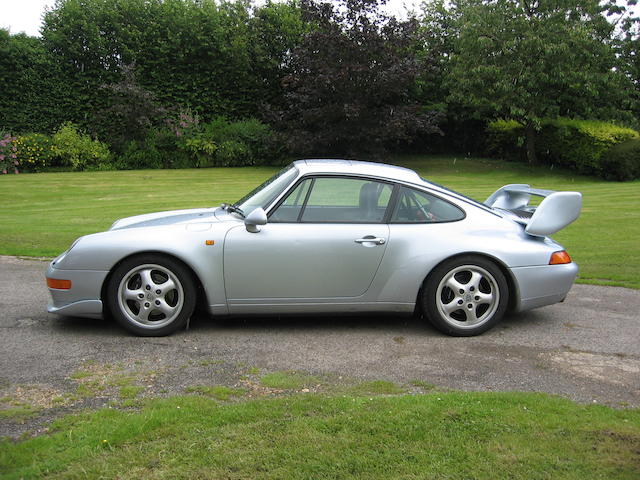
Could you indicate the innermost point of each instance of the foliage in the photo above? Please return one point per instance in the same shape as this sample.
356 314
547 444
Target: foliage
622 162
222 143
533 60
34 152
212 58
336 78
158 150
505 139
132 112
78 150
627 42
138 155
580 145
8 155
347 92
275 30
34 96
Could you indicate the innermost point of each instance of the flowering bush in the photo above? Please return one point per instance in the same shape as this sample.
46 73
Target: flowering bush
79 150
34 151
185 122
8 156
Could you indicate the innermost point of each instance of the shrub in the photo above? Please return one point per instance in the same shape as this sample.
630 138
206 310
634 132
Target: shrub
201 149
137 156
187 143
8 154
34 152
158 150
579 144
576 144
222 143
622 162
79 150
505 139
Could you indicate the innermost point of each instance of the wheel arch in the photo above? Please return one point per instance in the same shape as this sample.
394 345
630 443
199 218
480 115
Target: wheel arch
511 282
201 296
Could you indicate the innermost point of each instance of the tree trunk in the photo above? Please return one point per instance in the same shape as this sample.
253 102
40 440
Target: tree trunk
530 143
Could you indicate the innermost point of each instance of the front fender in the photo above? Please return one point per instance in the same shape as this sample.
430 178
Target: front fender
198 245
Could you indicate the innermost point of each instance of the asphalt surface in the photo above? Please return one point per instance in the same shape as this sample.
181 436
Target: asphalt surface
586 349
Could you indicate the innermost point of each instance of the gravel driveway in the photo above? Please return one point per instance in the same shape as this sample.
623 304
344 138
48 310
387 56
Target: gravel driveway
586 349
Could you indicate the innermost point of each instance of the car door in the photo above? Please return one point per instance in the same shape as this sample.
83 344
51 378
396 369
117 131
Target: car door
326 239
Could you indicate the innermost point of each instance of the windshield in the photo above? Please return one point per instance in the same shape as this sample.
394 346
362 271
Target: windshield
263 195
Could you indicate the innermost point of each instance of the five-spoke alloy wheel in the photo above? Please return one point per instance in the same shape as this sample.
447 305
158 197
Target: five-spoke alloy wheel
465 296
151 295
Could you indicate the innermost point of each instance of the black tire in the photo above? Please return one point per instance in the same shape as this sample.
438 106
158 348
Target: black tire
465 296
151 295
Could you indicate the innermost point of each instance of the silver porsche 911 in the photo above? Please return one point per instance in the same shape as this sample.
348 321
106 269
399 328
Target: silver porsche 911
326 236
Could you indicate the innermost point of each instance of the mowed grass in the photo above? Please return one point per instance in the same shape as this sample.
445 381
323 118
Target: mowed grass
440 435
44 213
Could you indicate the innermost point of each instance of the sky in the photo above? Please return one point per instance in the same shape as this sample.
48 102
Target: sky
26 15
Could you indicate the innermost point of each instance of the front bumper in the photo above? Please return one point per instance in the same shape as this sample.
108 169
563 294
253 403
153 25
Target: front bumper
543 285
83 298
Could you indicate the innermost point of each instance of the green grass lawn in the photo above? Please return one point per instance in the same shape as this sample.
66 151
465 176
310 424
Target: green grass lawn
438 435
44 213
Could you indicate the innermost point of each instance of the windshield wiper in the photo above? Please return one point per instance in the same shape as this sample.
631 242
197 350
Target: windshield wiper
232 209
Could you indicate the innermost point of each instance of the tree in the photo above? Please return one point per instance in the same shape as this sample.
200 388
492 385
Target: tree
349 90
131 113
531 59
275 30
214 58
628 46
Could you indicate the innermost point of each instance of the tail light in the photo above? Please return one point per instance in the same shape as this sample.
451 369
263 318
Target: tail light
559 258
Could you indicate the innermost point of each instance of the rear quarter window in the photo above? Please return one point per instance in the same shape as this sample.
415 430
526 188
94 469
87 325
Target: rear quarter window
415 206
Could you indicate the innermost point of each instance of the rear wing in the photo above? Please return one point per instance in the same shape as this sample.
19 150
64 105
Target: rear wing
556 211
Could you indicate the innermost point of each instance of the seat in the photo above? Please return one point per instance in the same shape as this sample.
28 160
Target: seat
368 202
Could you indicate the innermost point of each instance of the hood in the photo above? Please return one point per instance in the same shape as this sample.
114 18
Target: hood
173 217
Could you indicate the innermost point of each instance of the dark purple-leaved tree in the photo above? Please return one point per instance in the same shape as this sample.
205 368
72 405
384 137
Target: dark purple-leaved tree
350 90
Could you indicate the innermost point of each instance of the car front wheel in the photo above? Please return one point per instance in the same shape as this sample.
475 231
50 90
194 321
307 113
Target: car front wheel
465 296
151 295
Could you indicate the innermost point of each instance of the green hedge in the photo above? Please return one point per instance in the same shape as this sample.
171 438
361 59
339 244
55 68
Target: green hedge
622 162
581 145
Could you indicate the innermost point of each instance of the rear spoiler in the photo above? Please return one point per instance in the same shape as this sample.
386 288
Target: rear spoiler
556 211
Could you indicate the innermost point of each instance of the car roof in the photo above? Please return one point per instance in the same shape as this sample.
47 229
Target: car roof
381 170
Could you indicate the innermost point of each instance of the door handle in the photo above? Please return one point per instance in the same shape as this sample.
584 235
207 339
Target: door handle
376 240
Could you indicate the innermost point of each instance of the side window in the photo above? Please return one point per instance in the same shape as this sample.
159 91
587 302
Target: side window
414 206
335 200
347 200
289 210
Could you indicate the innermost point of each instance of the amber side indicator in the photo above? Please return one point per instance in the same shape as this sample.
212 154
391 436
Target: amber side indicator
58 284
558 258
209 242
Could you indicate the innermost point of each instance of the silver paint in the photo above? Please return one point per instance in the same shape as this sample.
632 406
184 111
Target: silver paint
310 267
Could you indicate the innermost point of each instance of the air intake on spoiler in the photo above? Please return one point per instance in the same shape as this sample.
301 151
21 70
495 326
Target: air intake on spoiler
556 211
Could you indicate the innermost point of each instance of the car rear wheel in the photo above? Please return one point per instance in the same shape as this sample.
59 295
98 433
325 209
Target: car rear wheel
151 295
465 296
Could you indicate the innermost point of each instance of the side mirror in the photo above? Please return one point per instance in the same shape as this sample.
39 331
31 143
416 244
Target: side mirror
255 218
